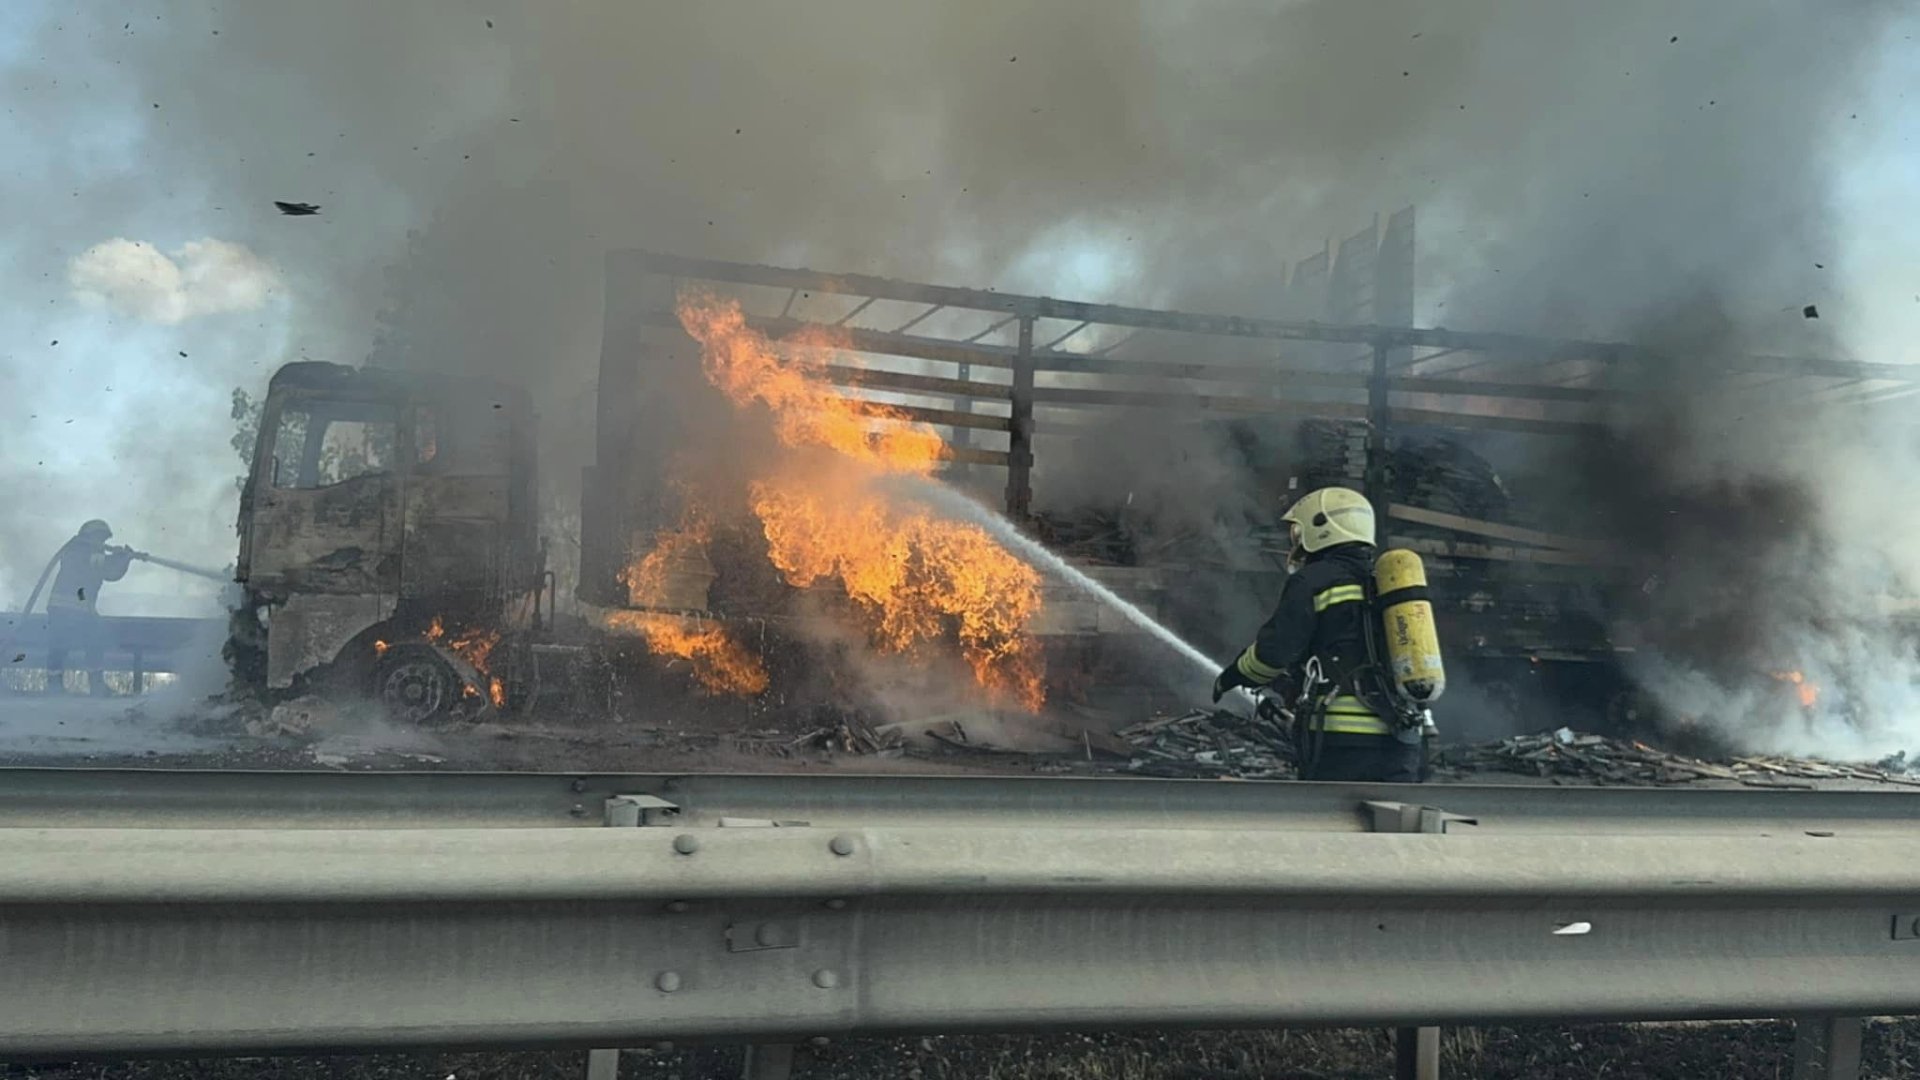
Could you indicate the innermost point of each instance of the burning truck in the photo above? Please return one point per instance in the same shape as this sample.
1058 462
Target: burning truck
388 537
756 518
389 544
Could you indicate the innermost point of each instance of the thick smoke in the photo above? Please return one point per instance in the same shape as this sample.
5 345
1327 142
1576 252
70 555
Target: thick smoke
1580 169
1770 567
146 271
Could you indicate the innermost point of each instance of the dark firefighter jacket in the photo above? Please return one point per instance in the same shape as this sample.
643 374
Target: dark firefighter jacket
1323 613
84 565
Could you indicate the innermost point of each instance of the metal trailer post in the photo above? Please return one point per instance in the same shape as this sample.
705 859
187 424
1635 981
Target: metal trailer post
606 485
1020 431
1378 417
1826 1048
963 436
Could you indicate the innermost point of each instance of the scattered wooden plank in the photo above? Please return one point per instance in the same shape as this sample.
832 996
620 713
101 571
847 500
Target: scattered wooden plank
1782 785
1440 519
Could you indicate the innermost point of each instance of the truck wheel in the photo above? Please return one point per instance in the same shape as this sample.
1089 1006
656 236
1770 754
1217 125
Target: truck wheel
415 685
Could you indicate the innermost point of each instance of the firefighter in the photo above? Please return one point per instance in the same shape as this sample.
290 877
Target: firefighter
1314 650
73 620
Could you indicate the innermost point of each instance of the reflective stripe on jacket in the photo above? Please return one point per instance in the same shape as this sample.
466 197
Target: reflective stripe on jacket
1321 614
1348 715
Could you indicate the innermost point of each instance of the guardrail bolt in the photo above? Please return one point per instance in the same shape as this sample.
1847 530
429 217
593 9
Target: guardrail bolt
676 906
826 978
579 786
841 845
577 811
667 981
686 844
766 934
836 904
819 1042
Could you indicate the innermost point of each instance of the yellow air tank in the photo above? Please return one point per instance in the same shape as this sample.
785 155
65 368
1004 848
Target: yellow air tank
1413 642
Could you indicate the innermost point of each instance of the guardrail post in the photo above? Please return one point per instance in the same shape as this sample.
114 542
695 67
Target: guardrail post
1416 1051
764 1061
603 1065
1826 1048
769 1061
621 811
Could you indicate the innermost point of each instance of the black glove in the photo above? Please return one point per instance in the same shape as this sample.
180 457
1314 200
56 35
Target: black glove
1274 713
1229 678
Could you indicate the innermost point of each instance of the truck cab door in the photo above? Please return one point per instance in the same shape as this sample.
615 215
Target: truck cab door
459 511
323 505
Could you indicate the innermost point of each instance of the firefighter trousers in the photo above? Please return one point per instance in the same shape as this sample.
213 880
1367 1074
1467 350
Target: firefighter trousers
1376 758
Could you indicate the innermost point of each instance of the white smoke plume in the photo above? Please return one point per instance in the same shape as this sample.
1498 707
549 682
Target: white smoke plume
203 277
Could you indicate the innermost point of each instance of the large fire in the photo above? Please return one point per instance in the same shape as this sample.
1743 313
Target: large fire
788 380
915 577
720 664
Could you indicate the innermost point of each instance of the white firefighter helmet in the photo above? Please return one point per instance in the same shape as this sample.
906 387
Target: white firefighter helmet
1326 517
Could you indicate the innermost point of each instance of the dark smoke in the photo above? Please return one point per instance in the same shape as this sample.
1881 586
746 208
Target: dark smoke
1577 169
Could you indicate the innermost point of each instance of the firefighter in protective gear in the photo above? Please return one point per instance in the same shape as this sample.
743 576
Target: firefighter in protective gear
1314 649
73 620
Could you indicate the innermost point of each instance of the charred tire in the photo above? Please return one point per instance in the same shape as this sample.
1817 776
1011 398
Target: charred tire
415 685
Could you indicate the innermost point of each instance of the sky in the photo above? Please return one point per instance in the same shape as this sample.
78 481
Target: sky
149 276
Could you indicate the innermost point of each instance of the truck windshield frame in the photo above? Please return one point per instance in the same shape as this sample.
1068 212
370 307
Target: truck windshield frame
316 441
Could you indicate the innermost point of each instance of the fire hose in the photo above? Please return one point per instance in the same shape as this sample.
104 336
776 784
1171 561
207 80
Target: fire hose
137 556
186 568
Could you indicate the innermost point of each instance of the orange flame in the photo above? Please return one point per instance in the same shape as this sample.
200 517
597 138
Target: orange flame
790 380
1809 692
673 574
915 578
720 664
475 647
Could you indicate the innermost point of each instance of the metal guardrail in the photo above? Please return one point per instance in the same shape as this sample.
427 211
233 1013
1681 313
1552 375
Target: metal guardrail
133 643
159 912
147 941
136 798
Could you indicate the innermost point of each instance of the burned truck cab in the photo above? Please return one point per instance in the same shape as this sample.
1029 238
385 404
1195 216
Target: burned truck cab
388 524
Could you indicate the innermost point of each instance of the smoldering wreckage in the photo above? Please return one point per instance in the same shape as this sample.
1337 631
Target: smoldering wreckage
763 550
